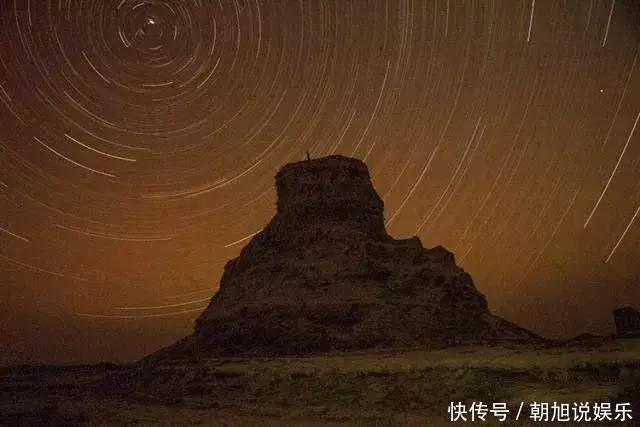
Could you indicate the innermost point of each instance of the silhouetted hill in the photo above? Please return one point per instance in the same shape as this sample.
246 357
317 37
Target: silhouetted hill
325 276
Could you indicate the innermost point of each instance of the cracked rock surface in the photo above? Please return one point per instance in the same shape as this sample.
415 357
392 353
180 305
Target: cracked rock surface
325 276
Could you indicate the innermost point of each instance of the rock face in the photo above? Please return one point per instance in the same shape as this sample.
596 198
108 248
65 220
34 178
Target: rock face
324 275
627 320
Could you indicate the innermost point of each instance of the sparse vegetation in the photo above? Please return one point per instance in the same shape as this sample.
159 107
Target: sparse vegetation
410 387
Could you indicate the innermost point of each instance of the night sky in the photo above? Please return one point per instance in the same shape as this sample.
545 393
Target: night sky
139 140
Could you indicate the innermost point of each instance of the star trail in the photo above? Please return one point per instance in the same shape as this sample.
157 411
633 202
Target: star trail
139 140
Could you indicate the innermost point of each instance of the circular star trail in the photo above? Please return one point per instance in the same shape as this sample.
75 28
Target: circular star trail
139 140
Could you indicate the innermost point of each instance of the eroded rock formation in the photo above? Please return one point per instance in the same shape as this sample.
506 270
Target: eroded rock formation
324 275
627 320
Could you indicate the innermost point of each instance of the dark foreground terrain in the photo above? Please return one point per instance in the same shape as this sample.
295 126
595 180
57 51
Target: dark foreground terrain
411 387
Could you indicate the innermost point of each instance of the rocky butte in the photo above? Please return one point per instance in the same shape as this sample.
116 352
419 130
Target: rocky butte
627 321
325 276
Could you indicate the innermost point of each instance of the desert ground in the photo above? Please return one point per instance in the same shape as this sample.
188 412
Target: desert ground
411 387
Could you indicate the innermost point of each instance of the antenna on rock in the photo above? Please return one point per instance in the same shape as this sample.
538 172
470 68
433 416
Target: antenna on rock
308 156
